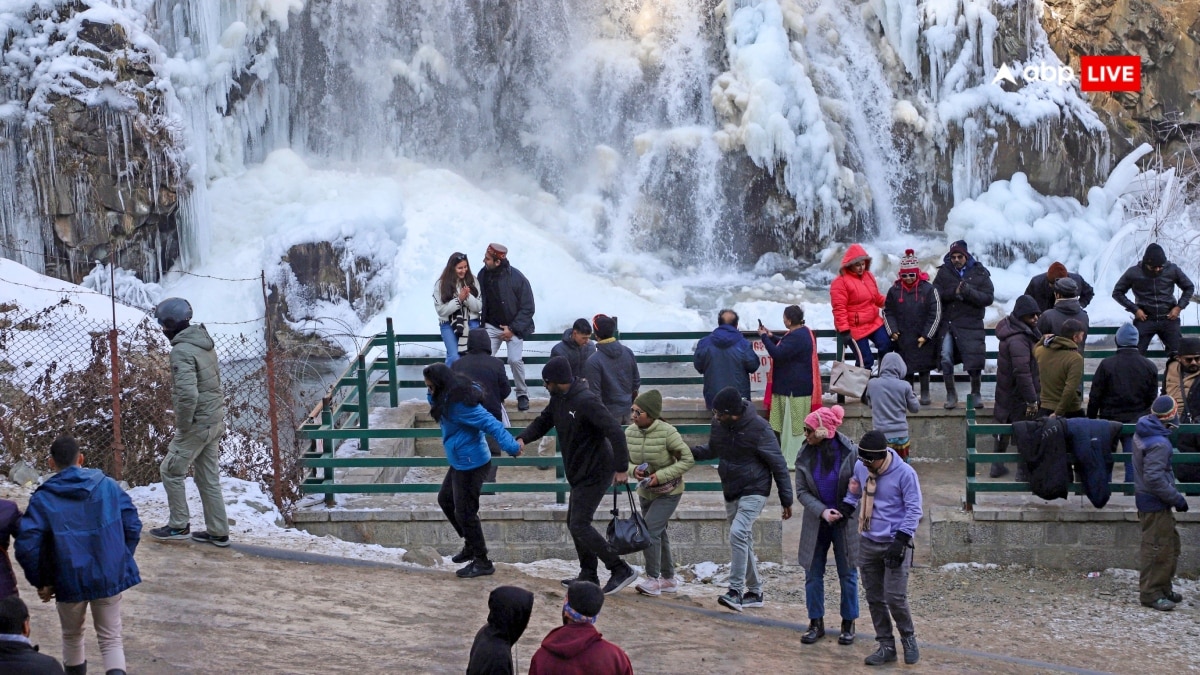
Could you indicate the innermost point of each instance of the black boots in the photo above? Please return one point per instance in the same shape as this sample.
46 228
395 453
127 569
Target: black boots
847 636
976 383
80 669
816 631
1000 470
884 654
924 378
951 393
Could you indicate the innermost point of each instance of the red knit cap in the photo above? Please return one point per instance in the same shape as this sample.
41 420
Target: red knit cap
1057 271
910 263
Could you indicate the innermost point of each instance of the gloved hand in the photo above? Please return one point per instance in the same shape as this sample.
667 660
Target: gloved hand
846 509
1182 506
894 557
845 335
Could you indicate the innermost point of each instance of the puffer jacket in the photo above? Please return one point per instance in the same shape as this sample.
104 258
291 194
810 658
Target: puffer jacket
1124 387
962 312
1154 294
856 300
196 381
1040 290
507 299
660 446
725 359
1064 309
1154 481
612 373
749 457
1060 367
1042 444
1018 384
447 309
463 429
914 312
78 535
574 354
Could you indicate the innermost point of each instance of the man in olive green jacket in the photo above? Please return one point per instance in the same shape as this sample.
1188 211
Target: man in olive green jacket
1060 367
659 446
199 424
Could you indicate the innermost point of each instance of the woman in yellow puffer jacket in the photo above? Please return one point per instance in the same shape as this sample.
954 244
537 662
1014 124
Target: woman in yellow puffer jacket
658 445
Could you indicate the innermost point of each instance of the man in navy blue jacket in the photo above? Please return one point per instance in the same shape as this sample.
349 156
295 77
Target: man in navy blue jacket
1155 496
76 544
725 359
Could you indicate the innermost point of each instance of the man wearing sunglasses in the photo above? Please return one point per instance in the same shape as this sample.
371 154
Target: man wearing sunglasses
1154 307
1181 381
965 288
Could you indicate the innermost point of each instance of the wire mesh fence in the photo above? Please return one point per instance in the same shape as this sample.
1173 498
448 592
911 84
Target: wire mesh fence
57 377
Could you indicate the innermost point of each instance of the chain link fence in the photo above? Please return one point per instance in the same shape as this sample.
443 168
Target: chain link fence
56 377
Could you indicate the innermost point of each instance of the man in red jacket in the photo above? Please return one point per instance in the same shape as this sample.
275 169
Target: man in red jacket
576 647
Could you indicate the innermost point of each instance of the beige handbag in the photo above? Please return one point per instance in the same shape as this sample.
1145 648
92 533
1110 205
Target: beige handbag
848 379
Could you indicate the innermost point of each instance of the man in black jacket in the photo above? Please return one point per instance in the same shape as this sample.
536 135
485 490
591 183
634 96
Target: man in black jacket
17 654
1041 287
965 289
487 371
1155 310
595 457
749 458
1124 386
576 345
507 312
509 609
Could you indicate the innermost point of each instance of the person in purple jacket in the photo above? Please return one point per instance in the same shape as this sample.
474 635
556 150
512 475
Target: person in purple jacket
10 519
887 494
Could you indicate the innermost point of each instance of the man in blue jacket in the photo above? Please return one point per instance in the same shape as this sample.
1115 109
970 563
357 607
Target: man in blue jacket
76 545
725 359
1155 496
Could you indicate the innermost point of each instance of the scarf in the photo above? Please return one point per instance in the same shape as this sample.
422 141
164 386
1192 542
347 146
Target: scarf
575 615
868 499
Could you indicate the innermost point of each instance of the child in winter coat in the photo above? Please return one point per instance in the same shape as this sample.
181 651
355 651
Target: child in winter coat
891 398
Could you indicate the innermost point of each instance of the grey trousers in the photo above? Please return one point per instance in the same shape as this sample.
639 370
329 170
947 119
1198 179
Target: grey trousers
887 591
658 555
515 349
200 450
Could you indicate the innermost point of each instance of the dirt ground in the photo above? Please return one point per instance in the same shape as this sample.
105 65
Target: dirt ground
203 609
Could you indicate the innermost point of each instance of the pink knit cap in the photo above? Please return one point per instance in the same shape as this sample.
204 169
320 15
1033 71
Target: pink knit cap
827 419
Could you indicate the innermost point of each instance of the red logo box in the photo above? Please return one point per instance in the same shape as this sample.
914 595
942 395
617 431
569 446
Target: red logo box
1110 73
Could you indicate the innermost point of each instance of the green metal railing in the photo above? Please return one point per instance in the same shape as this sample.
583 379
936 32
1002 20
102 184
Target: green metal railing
975 458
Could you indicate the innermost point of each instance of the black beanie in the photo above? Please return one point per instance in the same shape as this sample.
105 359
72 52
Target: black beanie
728 402
557 370
585 598
1189 346
873 440
1154 256
1025 306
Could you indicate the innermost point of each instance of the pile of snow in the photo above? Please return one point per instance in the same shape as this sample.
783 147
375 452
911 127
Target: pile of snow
959 567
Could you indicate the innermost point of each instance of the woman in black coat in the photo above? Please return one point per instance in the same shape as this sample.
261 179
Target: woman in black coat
911 314
1017 383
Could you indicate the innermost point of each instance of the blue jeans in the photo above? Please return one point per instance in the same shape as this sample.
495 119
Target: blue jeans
814 575
451 341
883 343
743 564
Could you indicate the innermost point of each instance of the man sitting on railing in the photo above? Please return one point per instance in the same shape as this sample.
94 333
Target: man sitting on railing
1155 496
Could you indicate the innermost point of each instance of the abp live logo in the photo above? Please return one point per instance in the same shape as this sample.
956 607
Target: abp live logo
1110 73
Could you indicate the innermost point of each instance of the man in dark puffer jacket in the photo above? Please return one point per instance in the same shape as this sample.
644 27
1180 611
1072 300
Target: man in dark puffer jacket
965 289
1155 497
612 372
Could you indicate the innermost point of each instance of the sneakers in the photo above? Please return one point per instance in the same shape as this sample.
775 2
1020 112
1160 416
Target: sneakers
567 582
168 533
752 600
651 587
206 538
522 403
911 653
732 599
1161 604
479 567
461 557
621 577
816 631
1174 597
668 585
847 635
885 654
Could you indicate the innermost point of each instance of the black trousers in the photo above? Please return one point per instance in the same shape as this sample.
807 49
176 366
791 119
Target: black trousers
590 545
1167 330
459 499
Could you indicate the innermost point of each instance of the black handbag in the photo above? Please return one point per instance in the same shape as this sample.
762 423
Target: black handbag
627 535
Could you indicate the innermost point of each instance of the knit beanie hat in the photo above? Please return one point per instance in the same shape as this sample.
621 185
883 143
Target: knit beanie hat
1154 256
1057 271
557 370
909 262
1066 287
960 246
1025 306
728 402
497 251
873 445
650 402
1189 346
585 598
604 326
582 327
1164 408
825 421
1127 335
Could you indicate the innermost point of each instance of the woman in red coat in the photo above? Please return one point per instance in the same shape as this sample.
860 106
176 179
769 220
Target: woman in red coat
856 301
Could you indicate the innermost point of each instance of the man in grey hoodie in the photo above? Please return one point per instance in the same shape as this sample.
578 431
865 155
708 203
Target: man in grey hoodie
891 397
612 372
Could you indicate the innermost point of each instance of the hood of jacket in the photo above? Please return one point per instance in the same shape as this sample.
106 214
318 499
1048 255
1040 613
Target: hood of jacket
854 254
1011 325
726 336
478 342
1154 255
509 609
1150 425
1059 342
612 350
1068 306
1025 306
74 482
570 640
893 366
195 334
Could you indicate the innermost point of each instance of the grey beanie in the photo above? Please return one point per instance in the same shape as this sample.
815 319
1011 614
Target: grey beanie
1127 335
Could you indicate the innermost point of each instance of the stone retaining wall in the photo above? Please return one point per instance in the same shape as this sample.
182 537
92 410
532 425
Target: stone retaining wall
526 535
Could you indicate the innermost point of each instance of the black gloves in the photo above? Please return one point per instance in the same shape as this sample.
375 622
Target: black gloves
845 509
1182 506
845 335
894 557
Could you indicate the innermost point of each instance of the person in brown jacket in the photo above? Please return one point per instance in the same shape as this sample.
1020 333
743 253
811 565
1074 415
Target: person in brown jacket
1060 367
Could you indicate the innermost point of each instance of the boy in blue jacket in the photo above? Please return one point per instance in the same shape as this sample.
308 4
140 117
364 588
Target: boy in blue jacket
76 544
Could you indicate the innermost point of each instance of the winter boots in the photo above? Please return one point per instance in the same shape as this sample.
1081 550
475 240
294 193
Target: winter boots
951 393
976 384
847 636
816 631
1000 470
924 378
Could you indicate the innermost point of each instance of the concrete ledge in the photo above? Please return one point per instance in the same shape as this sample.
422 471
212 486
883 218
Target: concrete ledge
1057 539
526 535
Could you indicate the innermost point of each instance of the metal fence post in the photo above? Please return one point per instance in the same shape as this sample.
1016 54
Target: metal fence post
276 463
393 386
327 444
363 400
118 446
